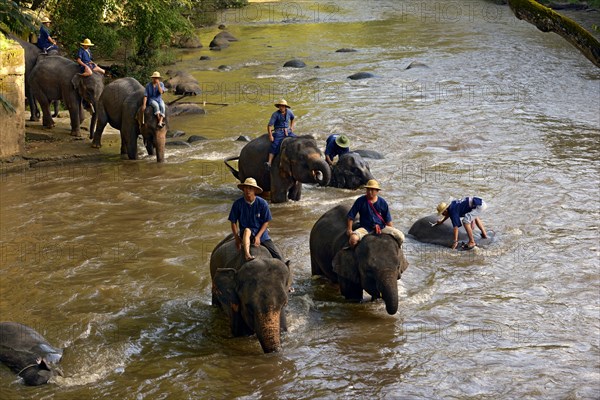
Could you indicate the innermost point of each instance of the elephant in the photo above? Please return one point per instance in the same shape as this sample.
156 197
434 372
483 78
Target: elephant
28 354
33 54
58 78
253 293
443 235
120 106
299 161
350 172
374 265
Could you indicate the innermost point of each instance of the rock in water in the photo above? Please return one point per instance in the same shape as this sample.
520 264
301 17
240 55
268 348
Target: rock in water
361 75
295 63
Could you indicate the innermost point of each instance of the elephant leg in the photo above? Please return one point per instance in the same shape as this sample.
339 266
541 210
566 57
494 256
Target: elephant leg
74 106
55 103
93 124
314 266
131 146
149 143
295 192
350 290
47 121
97 138
35 112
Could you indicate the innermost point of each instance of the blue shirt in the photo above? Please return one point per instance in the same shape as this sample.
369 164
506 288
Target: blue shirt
43 41
85 55
458 209
368 218
152 92
251 216
281 121
332 149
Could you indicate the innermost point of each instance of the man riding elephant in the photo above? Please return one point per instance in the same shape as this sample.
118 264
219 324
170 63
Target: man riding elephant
253 215
280 126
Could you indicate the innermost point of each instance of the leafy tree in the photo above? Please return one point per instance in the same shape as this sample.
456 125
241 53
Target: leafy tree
12 19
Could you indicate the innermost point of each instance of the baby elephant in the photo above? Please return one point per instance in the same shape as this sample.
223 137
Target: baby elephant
28 354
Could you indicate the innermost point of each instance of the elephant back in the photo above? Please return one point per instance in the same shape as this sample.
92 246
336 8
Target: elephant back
252 159
226 255
121 96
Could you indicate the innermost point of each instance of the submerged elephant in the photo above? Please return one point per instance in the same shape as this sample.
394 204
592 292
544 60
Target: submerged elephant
58 78
253 293
374 265
28 354
350 172
299 161
120 106
425 231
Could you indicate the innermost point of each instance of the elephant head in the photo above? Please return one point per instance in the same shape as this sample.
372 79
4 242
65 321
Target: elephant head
299 161
89 89
254 298
350 172
40 372
374 265
155 137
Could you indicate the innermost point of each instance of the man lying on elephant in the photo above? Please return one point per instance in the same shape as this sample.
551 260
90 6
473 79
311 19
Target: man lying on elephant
280 125
253 215
469 210
336 145
374 216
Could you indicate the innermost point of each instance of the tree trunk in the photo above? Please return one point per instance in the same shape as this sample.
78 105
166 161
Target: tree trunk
546 20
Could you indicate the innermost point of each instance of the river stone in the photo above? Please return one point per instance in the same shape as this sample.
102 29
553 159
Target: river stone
224 68
361 75
178 143
218 44
345 50
227 36
369 154
222 26
295 63
205 58
174 134
417 64
243 138
189 42
185 108
196 138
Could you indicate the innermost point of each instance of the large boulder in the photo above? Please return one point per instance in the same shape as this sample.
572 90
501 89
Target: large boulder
188 42
221 41
185 108
182 82
295 63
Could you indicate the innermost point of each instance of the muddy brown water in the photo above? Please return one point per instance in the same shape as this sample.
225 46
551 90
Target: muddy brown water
110 259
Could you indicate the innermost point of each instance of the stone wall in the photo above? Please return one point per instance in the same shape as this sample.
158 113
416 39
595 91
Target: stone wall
12 88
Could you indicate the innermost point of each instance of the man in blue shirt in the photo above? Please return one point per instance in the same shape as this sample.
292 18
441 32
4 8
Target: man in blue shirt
469 210
253 215
280 125
374 214
84 59
153 95
45 41
336 145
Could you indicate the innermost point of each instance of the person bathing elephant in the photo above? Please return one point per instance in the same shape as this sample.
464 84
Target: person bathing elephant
28 354
120 106
299 161
58 78
374 265
253 294
336 145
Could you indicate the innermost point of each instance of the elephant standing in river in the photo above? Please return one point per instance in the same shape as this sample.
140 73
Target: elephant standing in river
58 78
28 354
350 172
120 106
375 264
253 293
299 161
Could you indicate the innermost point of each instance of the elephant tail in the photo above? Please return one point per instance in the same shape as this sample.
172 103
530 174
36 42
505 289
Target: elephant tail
234 171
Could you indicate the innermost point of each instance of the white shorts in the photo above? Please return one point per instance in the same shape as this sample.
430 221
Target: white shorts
474 213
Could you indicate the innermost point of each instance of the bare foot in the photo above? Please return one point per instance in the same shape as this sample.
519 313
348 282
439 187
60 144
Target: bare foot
249 257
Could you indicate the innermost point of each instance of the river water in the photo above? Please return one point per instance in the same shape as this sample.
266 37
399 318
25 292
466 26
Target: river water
110 260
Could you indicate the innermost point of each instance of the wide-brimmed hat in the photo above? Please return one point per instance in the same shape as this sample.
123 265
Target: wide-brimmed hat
342 141
372 184
45 20
156 74
252 183
86 42
442 207
282 102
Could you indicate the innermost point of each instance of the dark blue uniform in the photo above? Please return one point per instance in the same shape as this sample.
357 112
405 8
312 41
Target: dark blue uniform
86 58
459 208
332 149
280 122
368 218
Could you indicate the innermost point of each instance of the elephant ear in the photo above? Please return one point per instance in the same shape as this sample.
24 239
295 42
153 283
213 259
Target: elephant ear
345 265
75 81
224 287
285 165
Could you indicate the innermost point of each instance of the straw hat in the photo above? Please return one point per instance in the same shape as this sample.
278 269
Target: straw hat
46 20
282 102
342 141
252 183
86 42
442 207
372 184
155 74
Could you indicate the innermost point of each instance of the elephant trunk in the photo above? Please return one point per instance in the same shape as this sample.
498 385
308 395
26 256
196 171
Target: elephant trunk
320 171
389 292
160 140
268 330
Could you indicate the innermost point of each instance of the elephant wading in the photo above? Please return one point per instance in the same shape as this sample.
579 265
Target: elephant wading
374 265
28 354
299 161
350 172
253 293
120 106
57 78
